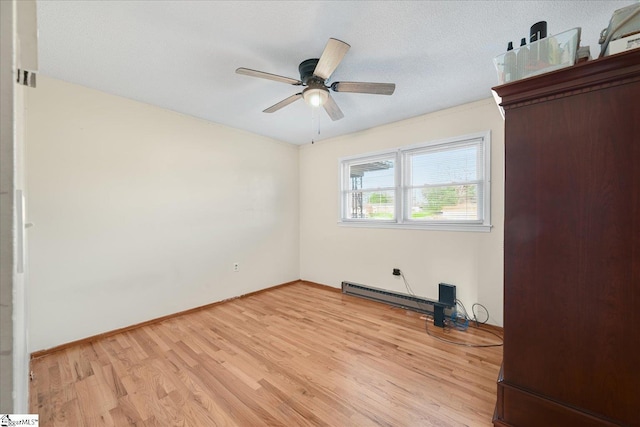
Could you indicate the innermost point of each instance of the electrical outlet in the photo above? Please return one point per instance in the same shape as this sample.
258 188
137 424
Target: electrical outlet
236 266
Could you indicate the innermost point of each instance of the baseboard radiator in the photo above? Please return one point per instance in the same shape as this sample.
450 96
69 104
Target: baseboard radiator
397 299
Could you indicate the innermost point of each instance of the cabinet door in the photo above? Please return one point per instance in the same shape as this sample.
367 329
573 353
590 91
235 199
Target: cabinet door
572 253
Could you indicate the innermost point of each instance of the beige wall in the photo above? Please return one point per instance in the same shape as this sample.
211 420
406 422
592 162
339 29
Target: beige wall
330 253
139 212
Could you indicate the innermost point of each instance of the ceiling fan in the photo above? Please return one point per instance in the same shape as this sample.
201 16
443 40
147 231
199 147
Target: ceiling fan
314 74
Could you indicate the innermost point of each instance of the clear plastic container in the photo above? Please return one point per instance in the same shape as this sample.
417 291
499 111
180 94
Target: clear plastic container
542 56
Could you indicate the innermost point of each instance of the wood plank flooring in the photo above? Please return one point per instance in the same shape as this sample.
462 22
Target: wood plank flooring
297 355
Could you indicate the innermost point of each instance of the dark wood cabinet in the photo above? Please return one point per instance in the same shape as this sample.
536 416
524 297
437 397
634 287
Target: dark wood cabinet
572 247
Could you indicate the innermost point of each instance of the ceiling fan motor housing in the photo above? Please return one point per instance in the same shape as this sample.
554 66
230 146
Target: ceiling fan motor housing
307 68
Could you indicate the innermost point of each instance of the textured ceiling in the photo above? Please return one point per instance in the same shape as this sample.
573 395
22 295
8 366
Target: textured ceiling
181 55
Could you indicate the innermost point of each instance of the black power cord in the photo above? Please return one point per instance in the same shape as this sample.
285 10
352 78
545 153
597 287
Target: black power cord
465 316
466 344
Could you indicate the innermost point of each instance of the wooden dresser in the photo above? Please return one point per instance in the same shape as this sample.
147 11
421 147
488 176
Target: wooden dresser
572 247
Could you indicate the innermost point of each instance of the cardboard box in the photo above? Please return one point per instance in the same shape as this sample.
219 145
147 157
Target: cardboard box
625 43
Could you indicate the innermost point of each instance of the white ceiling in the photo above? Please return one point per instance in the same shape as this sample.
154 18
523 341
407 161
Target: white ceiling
182 55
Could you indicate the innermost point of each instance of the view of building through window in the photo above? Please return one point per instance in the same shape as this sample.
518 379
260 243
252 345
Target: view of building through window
373 189
432 183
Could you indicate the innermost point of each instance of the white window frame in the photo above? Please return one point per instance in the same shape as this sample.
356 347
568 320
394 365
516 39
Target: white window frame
345 185
402 189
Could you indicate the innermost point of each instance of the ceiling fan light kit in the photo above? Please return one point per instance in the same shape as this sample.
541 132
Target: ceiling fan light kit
315 96
314 74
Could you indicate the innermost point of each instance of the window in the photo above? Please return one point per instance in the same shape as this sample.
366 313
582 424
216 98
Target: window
437 185
369 188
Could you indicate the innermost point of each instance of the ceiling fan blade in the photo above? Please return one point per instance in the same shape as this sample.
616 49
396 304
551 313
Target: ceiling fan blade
283 103
363 87
332 109
268 76
333 53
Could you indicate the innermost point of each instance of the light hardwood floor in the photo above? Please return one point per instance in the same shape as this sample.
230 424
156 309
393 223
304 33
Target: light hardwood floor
295 355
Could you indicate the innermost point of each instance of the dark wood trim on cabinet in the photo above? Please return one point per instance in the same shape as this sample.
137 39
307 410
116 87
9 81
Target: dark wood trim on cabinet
599 74
523 408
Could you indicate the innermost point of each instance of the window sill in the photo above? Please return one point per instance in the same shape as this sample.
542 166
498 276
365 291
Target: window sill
478 228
